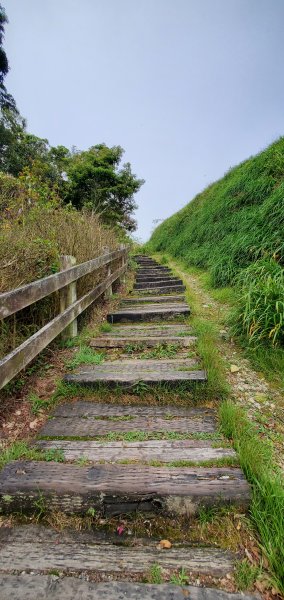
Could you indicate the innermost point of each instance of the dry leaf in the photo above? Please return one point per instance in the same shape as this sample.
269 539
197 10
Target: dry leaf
164 544
234 368
33 424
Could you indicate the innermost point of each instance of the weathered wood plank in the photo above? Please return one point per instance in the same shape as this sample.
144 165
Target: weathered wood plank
151 299
33 587
162 290
174 329
93 427
157 450
19 358
115 489
121 342
42 556
83 408
11 302
148 313
129 380
158 283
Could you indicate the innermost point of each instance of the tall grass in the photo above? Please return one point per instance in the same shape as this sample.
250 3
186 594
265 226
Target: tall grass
267 505
260 307
235 222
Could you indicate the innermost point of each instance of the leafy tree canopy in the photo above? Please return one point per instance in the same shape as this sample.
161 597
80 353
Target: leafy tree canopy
6 100
97 181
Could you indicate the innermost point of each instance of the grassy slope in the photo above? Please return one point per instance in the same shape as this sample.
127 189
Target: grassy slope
235 230
232 222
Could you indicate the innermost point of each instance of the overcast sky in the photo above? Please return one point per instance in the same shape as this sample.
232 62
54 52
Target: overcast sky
187 87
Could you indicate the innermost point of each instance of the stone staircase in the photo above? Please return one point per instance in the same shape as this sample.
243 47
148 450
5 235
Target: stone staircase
124 458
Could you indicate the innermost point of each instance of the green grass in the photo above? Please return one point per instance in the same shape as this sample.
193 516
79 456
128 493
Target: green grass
155 575
22 451
180 578
85 355
38 404
106 327
267 505
245 575
234 230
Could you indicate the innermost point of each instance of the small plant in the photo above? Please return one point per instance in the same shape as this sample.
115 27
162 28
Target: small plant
180 578
246 574
40 505
85 355
140 388
91 512
106 327
37 403
82 461
162 351
155 574
54 454
206 514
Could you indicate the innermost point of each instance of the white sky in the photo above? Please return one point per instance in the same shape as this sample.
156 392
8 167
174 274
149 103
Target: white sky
187 87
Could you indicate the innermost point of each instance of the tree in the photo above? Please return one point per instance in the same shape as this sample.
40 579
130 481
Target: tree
6 99
95 181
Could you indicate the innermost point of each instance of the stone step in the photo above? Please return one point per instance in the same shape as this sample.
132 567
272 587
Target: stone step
128 373
113 490
149 312
162 451
93 426
151 299
169 289
49 587
42 550
158 283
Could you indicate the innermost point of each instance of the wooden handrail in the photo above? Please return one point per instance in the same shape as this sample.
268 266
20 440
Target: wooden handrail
13 301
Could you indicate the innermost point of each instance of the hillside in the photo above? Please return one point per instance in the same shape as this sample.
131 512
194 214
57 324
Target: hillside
235 229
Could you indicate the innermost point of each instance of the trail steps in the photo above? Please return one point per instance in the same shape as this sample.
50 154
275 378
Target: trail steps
120 459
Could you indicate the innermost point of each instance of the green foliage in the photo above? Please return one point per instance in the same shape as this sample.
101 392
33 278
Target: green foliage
37 403
180 578
85 355
233 223
246 574
155 575
260 309
97 182
267 505
6 100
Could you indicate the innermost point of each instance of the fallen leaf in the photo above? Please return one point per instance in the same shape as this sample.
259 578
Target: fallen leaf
164 544
33 424
234 368
238 527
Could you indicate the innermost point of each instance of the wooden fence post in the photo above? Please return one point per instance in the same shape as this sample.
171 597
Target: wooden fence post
68 296
123 262
109 290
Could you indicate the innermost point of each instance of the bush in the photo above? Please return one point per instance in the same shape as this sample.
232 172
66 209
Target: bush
32 238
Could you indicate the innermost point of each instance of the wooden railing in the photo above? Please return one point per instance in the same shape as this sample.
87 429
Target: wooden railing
65 281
